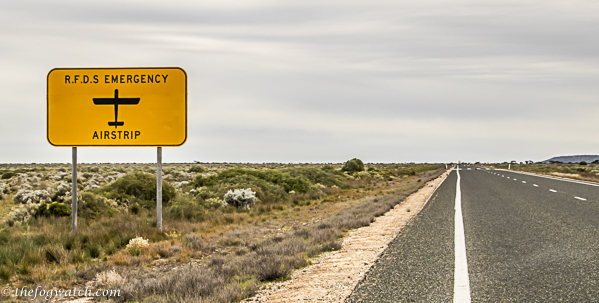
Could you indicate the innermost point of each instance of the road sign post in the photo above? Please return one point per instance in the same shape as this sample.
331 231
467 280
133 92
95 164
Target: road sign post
149 107
74 192
159 189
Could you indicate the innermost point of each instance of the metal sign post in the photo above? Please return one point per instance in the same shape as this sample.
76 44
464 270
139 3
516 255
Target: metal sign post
74 193
159 190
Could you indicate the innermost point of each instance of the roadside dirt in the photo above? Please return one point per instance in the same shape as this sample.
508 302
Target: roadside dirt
333 275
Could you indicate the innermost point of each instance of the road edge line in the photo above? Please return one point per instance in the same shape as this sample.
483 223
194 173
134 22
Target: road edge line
461 283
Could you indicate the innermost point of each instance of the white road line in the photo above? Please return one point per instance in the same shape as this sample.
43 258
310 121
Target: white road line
547 177
535 185
502 176
515 179
523 181
553 190
508 177
461 283
579 198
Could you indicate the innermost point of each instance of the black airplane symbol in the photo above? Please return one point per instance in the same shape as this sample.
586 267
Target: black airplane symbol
116 101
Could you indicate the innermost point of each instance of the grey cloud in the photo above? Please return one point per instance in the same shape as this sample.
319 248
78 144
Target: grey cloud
363 66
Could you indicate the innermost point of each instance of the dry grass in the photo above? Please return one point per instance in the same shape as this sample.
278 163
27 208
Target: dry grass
223 257
236 274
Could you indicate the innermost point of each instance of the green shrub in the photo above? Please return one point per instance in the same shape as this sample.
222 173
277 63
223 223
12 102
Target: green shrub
314 175
583 163
111 249
134 209
33 257
328 168
137 185
406 171
77 256
69 179
24 269
185 207
84 240
70 243
92 205
283 179
5 272
54 209
40 240
56 254
353 165
196 169
93 251
8 174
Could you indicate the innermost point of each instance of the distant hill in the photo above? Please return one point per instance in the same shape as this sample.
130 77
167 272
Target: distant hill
573 159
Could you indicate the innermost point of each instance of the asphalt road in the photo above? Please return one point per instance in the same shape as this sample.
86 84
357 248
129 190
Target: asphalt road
528 239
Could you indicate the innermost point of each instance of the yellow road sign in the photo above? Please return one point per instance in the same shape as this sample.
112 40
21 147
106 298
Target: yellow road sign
117 107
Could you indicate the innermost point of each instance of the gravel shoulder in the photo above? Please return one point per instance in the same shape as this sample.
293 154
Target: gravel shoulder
334 275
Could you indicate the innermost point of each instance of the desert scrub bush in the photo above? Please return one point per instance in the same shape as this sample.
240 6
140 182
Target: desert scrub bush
109 279
92 205
26 196
353 165
195 241
328 168
266 192
186 207
137 245
314 175
137 185
196 169
93 251
21 213
6 272
240 198
56 254
54 209
285 180
8 174
134 209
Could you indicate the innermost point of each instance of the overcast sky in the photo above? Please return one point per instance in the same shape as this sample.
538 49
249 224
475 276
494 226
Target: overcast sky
322 81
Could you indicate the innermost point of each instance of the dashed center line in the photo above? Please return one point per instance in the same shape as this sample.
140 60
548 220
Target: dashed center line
536 185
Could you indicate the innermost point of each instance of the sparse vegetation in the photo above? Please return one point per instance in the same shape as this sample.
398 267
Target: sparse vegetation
299 211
